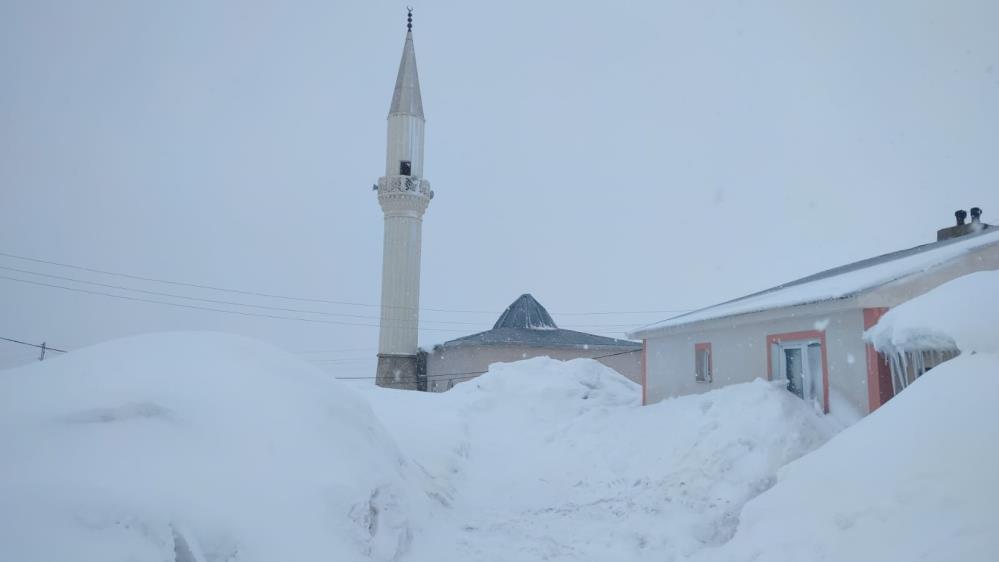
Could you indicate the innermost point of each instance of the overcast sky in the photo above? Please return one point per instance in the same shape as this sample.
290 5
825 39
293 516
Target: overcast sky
635 156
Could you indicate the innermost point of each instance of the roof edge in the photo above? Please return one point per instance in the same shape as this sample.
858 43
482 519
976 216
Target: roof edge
839 303
650 329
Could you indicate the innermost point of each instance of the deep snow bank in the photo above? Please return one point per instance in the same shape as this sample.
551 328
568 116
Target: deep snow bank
552 460
222 449
194 447
913 481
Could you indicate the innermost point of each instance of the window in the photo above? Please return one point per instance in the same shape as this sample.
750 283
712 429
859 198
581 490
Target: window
702 362
405 168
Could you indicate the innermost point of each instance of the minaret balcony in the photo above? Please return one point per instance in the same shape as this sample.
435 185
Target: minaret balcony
405 184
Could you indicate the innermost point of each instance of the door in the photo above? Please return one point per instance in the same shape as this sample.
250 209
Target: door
800 364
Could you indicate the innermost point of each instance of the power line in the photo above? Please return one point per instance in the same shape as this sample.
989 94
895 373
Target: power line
455 376
259 306
213 301
305 299
223 289
205 308
615 354
342 360
42 346
349 350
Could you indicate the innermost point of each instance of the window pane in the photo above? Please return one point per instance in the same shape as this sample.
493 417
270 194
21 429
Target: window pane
793 367
702 365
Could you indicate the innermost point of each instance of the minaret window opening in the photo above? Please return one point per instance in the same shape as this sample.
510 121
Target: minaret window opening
405 168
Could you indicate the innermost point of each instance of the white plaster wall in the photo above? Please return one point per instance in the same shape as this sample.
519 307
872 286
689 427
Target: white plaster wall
739 354
445 365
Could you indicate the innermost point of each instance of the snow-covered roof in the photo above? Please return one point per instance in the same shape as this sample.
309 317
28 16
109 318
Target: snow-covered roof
541 338
525 322
837 283
526 312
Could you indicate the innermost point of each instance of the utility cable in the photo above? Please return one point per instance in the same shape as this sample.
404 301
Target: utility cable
39 346
304 299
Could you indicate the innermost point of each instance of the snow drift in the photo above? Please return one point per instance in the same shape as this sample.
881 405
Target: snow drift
915 480
194 447
552 460
211 448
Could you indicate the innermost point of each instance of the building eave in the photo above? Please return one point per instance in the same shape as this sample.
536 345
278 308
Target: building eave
809 308
959 248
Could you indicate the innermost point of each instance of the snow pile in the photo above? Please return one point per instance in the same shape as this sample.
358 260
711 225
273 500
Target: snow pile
210 448
915 480
552 460
961 314
194 447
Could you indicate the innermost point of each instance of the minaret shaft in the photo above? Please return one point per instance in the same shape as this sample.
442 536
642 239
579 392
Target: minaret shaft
403 195
400 285
405 143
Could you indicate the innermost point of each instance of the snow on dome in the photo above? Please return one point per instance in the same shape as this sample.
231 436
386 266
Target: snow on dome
526 313
194 447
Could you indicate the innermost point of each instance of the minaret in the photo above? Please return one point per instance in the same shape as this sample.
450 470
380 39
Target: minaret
403 195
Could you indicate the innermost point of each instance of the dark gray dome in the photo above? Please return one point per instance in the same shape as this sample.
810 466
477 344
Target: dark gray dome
526 323
526 313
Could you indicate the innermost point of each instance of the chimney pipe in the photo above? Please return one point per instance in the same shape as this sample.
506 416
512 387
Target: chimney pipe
961 215
976 215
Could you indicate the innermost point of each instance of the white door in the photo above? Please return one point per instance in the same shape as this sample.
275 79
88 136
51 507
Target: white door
800 364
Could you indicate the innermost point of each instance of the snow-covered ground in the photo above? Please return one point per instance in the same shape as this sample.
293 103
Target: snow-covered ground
195 447
212 448
550 460
914 481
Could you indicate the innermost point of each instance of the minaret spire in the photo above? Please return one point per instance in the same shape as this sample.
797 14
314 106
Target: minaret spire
403 194
406 98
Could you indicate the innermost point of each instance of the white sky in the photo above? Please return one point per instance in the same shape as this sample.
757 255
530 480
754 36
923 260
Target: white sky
637 156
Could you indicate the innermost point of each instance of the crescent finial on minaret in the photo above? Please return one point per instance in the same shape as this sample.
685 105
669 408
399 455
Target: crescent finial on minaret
409 18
